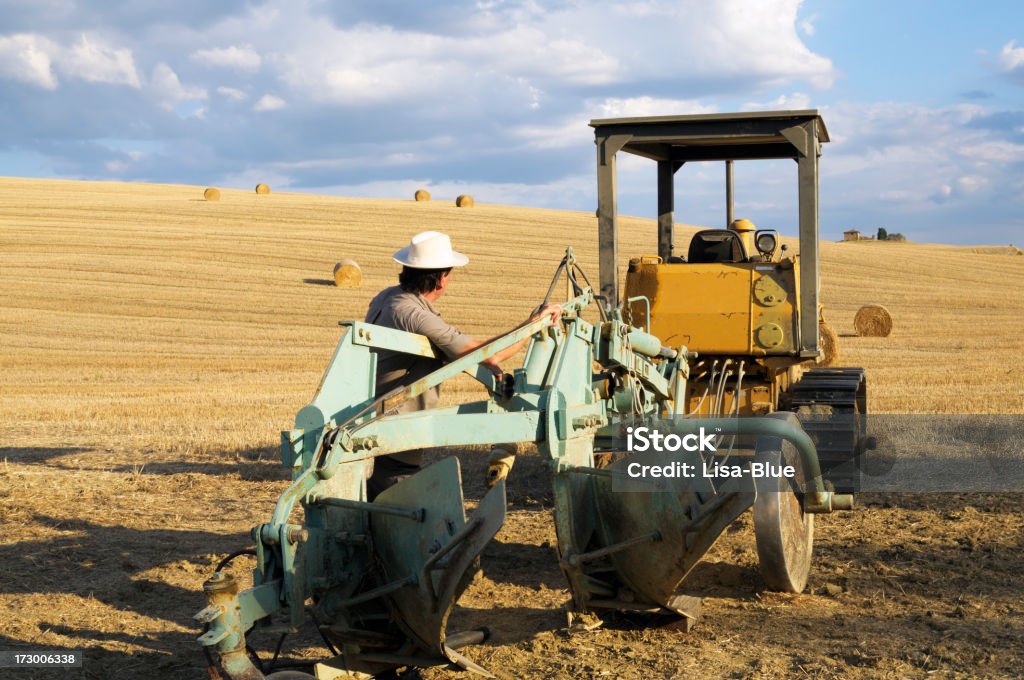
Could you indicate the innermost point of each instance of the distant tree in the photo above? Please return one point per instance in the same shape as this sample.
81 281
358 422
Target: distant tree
883 235
896 236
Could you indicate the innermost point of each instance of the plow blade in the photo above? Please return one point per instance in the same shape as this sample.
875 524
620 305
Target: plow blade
430 562
647 541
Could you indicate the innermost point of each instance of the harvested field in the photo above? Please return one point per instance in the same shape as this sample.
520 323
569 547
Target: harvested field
153 345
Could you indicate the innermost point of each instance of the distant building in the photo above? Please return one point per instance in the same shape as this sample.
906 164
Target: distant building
852 235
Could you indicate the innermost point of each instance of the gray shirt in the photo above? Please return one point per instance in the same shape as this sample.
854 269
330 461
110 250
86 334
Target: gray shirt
411 312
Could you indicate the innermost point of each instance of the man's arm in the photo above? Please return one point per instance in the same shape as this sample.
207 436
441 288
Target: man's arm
455 344
554 312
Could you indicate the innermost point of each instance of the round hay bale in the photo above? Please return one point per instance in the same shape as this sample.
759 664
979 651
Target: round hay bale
464 201
422 195
211 194
873 321
347 274
829 345
262 188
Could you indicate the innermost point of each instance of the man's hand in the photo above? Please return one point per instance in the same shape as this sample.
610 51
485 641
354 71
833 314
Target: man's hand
552 311
493 367
493 364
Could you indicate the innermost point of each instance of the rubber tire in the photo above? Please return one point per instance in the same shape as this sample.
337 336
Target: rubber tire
782 567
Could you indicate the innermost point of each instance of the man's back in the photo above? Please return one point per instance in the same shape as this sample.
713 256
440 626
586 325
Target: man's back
411 312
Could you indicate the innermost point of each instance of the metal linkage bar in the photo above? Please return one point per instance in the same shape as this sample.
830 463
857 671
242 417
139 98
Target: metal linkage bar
577 560
593 472
463 534
485 351
432 563
437 428
382 337
415 514
377 592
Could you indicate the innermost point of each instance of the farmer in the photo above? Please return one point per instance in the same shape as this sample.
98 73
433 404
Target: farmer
427 264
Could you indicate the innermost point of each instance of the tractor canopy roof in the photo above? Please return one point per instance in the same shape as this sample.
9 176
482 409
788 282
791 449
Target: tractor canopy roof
716 136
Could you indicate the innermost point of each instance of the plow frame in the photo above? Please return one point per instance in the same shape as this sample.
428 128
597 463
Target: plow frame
555 401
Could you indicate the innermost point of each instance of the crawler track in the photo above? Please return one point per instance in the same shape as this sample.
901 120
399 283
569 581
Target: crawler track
832 406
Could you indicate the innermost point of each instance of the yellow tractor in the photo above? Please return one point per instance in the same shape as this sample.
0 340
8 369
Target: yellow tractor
746 309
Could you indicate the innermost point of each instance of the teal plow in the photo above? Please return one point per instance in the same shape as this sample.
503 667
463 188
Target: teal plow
380 579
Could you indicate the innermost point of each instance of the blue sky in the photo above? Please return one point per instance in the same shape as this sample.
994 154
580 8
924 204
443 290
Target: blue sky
924 100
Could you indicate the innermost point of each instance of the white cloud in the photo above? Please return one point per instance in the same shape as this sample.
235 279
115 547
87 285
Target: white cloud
919 155
535 94
240 58
726 38
1011 57
231 93
119 166
991 151
533 51
540 46
26 57
569 132
169 90
548 47
380 155
370 64
33 59
251 176
573 131
789 102
269 102
971 183
93 60
648 106
894 195
807 24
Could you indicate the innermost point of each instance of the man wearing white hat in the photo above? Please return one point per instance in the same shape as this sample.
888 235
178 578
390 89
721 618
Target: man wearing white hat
427 264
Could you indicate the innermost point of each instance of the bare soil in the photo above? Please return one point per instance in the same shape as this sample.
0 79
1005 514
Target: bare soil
112 549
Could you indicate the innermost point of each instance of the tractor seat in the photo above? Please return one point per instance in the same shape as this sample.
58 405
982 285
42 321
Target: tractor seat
716 245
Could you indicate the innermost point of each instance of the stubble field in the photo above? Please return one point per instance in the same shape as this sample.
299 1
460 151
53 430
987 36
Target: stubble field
153 345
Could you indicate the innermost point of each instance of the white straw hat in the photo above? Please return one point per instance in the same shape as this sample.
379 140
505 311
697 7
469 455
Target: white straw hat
430 250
